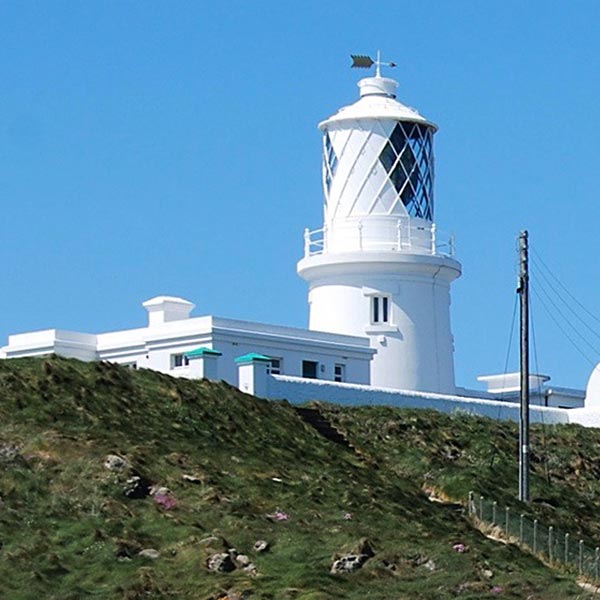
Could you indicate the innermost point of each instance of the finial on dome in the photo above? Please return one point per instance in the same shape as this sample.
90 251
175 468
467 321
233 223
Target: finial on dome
360 61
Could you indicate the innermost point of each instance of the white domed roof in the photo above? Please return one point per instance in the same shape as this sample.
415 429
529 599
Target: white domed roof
377 101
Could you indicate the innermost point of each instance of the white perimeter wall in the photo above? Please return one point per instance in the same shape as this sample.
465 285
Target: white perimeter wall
298 391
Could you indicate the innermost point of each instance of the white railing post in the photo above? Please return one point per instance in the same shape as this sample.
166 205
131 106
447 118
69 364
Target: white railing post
325 237
433 242
521 519
306 242
360 238
399 227
452 246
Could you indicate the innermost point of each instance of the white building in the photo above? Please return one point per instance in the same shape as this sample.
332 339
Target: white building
379 276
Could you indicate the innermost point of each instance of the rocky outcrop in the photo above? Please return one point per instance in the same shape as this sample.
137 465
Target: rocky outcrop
353 560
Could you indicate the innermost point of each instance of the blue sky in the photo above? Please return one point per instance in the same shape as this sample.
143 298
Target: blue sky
171 148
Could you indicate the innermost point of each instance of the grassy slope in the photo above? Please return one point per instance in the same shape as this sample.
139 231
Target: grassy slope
64 520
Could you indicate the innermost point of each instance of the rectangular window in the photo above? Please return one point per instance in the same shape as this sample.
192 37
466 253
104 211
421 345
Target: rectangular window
179 360
339 373
380 309
130 365
274 367
309 369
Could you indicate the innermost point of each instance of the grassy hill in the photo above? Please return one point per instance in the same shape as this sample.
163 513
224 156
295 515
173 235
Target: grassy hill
206 469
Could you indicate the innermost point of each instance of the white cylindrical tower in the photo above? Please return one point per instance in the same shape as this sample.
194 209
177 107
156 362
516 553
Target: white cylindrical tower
378 267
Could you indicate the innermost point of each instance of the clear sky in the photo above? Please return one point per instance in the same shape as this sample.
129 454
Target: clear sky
171 148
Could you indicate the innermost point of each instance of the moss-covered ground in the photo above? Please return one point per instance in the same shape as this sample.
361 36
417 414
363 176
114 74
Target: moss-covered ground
67 531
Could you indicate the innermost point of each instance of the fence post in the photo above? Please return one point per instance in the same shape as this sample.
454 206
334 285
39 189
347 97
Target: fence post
535 528
521 527
481 508
580 557
567 536
550 544
494 507
596 559
506 520
471 502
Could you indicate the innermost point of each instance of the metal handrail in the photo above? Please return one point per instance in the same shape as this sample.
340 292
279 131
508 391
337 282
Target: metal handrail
316 241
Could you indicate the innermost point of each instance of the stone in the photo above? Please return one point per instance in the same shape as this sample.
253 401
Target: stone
348 563
192 479
115 463
261 546
487 573
242 560
150 553
211 539
137 488
430 565
9 452
251 568
364 547
220 563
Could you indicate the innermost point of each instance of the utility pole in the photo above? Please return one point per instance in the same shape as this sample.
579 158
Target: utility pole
523 292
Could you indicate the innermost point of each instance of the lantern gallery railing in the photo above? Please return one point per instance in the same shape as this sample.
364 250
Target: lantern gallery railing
382 236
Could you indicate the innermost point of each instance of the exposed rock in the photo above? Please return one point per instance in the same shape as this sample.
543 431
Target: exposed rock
9 452
242 560
487 573
126 549
192 479
354 560
364 547
251 568
159 490
348 563
207 541
137 487
430 565
220 563
261 546
150 553
116 463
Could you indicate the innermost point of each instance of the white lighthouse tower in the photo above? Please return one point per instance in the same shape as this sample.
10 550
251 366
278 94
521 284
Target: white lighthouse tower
378 267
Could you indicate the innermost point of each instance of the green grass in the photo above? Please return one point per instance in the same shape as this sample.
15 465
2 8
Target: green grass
68 531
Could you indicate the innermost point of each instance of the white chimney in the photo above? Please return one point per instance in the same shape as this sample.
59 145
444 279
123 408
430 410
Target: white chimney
163 309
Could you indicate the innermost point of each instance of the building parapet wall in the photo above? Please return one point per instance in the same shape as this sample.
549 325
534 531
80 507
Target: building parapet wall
298 391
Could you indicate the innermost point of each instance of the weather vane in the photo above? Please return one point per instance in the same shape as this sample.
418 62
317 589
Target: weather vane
360 61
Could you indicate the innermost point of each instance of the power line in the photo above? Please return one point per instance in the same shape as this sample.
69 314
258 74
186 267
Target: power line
566 334
571 309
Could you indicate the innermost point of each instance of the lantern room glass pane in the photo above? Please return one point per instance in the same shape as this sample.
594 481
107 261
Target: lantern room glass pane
408 160
330 161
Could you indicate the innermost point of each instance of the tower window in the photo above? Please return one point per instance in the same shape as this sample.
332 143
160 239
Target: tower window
380 309
339 373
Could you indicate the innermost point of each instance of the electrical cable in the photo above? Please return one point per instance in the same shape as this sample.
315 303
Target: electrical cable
566 334
590 313
565 318
568 306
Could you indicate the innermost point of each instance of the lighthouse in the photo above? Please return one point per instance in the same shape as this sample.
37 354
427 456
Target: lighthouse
379 267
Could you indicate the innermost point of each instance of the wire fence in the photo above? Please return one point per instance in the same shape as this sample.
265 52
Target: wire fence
551 544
